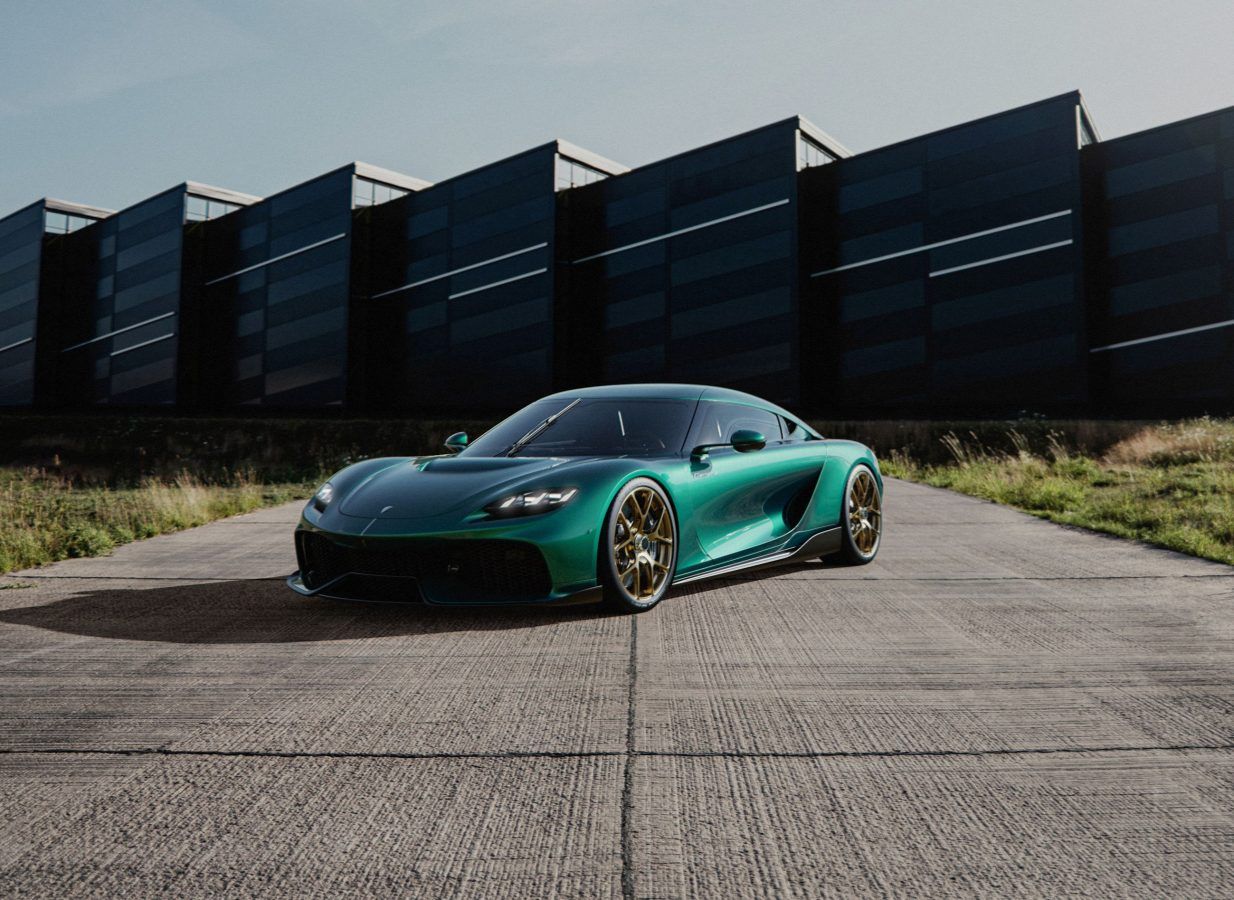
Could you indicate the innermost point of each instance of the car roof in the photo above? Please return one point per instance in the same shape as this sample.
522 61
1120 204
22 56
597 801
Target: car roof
676 392
635 392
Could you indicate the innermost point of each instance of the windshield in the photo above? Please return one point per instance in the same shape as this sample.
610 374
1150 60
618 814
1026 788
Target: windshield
593 428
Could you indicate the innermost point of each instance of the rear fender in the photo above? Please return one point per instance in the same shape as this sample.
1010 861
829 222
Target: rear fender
842 457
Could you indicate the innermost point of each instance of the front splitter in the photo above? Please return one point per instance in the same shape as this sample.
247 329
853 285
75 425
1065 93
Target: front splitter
584 597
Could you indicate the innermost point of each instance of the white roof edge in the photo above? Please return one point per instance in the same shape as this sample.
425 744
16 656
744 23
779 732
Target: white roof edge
815 133
1088 117
77 209
587 158
210 192
390 177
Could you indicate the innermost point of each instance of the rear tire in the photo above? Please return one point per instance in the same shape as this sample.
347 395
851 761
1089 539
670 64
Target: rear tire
861 517
638 547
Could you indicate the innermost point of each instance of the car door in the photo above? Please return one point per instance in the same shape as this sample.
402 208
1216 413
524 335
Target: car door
745 502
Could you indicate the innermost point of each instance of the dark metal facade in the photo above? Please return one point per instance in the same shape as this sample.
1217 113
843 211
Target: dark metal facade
132 348
21 255
943 272
277 278
36 258
1012 264
1162 268
686 269
120 304
462 274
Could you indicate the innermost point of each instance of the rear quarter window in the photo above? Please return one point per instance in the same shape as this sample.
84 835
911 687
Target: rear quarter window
794 431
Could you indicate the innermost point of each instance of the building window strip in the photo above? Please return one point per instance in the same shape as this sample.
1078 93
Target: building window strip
103 337
1162 337
955 240
994 259
282 256
670 234
143 344
201 209
15 344
367 192
570 173
811 153
483 262
485 287
64 223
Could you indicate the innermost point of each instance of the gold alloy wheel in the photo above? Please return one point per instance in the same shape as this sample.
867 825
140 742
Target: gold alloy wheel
643 544
865 515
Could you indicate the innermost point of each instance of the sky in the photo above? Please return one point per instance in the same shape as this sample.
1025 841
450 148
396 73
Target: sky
111 101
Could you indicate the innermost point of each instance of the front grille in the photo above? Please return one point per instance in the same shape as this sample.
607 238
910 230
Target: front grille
376 588
458 571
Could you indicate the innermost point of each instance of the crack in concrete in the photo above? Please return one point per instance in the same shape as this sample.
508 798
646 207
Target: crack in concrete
891 754
311 754
204 579
733 579
877 578
589 754
627 787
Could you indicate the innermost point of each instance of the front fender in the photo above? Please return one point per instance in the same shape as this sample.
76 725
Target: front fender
608 477
349 478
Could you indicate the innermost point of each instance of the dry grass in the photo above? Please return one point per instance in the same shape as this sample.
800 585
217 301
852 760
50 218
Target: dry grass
923 441
45 516
1169 484
1181 443
79 486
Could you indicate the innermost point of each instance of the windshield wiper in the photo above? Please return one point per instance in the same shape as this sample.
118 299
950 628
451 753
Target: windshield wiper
539 429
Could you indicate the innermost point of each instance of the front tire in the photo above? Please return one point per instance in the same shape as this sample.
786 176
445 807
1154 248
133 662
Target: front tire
861 517
638 547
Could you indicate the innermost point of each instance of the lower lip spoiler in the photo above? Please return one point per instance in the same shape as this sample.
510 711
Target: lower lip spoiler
578 598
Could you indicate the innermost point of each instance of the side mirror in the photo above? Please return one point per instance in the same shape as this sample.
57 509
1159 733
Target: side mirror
746 441
457 442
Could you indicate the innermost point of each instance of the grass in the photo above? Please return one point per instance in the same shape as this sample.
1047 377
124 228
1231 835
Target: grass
48 517
80 485
1169 484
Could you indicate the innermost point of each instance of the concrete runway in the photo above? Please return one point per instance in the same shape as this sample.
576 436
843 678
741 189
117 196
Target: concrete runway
997 706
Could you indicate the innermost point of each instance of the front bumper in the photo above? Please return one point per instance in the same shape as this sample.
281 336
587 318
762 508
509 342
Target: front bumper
458 571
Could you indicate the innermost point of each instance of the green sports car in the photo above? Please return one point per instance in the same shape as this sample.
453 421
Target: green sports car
603 494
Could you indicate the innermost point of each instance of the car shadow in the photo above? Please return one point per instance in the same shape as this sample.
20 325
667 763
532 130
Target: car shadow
747 577
267 612
264 611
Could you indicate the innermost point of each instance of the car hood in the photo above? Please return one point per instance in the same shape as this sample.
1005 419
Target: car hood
421 488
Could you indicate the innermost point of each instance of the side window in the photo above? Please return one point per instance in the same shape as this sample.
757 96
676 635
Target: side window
793 431
722 420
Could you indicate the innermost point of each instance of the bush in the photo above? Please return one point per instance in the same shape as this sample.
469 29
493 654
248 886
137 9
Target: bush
87 540
122 450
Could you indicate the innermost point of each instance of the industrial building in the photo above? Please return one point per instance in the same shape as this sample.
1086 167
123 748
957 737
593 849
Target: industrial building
1016 264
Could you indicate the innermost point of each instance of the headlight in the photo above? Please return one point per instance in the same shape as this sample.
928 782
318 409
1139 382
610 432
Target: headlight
530 503
323 497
